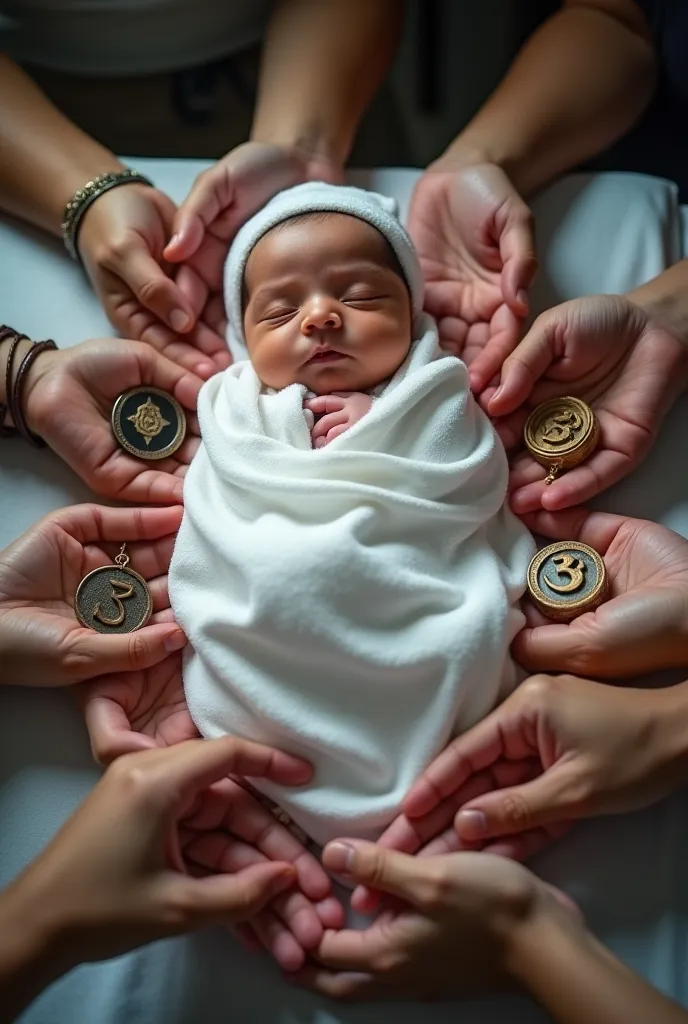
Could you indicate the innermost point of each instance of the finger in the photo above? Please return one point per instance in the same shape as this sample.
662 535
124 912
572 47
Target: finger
525 366
211 195
324 425
196 764
603 469
220 898
598 529
390 872
322 404
336 432
519 259
99 523
159 371
525 845
89 654
154 289
278 941
342 986
505 330
553 797
349 950
109 730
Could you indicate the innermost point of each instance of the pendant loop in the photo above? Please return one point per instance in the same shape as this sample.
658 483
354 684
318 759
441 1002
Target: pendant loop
122 559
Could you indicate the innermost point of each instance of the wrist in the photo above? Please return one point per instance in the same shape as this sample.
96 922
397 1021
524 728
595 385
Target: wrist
544 944
40 371
668 733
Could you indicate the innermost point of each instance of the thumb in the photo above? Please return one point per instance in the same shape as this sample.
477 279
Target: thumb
519 259
92 654
231 899
548 799
210 196
372 865
524 367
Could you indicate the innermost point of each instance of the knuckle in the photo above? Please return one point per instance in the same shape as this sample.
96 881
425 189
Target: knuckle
437 892
137 651
536 690
151 291
516 811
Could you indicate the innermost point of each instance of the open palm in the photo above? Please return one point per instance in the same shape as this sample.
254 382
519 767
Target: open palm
473 236
607 351
69 402
43 642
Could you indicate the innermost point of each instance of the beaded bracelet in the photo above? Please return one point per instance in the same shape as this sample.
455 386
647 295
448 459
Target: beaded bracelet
86 195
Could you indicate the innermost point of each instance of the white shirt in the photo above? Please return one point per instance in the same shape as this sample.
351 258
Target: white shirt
127 37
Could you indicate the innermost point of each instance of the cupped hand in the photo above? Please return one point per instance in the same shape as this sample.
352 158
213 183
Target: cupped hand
474 237
642 626
452 933
69 397
42 641
609 352
336 414
220 201
121 242
127 712
115 877
596 749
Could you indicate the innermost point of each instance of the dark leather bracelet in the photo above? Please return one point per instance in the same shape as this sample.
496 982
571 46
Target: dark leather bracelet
15 396
17 338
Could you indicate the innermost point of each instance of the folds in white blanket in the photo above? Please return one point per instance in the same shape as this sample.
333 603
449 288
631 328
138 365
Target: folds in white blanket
352 604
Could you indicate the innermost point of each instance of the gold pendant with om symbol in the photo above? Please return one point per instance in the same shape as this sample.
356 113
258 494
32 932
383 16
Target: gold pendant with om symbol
113 598
561 434
566 579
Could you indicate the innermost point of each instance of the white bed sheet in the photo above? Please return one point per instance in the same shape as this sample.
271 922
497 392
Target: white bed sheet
595 234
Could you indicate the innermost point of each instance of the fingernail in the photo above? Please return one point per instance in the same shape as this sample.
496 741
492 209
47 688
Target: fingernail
173 241
174 641
206 370
522 296
283 881
497 393
179 320
472 824
340 857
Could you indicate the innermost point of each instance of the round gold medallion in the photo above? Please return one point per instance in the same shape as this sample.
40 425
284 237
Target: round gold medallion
561 434
113 598
148 423
566 579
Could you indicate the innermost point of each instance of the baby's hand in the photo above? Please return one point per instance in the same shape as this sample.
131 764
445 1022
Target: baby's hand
337 413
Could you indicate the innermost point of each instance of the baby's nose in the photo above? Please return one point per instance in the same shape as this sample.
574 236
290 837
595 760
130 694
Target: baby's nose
321 316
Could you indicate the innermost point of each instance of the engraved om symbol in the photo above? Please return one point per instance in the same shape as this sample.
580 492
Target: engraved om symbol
574 568
126 590
562 427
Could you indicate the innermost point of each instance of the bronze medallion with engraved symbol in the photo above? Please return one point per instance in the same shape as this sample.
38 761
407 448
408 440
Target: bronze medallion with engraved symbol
113 598
566 579
561 434
148 423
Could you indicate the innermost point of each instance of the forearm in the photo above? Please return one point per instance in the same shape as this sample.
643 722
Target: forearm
29 959
44 157
578 981
322 63
578 84
665 298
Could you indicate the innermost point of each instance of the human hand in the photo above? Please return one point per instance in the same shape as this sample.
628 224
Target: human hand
642 627
338 412
121 242
587 748
474 903
474 237
133 711
221 200
41 639
122 871
68 399
609 352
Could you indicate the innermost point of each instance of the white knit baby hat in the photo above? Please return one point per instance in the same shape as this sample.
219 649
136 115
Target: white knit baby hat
315 197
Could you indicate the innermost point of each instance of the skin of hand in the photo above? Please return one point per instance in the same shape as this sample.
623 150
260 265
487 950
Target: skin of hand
42 642
337 413
121 242
469 902
595 749
123 872
474 236
132 711
69 395
606 350
325 306
221 200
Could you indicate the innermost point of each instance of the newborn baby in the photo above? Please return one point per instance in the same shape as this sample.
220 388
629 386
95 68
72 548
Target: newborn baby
348 596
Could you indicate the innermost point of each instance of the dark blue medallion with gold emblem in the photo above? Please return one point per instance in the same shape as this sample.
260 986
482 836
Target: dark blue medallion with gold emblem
148 423
566 579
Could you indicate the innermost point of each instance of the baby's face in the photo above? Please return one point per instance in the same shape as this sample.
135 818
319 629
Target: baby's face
325 306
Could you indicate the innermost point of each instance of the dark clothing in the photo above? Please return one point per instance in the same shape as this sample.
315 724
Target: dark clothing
658 144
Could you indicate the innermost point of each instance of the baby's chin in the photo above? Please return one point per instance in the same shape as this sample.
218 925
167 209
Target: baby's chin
324 381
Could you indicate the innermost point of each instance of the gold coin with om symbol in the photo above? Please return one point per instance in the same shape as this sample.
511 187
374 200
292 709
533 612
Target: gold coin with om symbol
566 579
113 598
561 434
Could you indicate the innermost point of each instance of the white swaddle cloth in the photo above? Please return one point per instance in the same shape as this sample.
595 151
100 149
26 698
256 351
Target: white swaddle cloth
352 604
